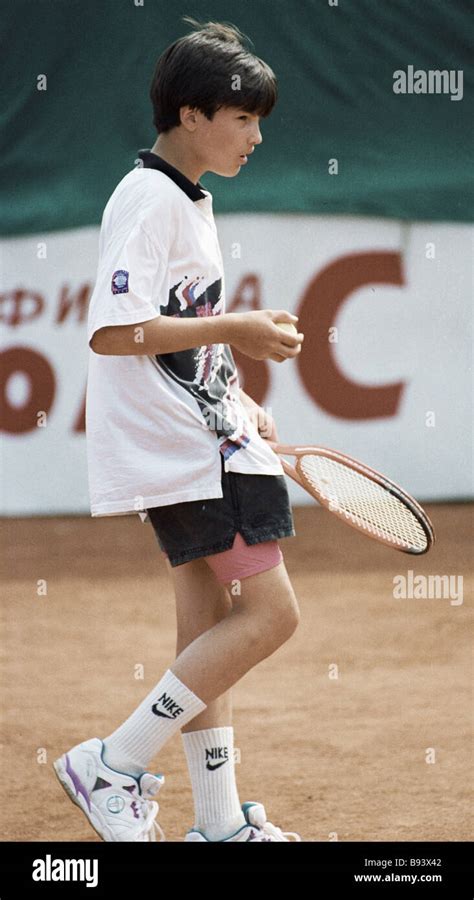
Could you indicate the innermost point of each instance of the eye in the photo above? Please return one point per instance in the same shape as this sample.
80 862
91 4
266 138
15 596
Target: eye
243 117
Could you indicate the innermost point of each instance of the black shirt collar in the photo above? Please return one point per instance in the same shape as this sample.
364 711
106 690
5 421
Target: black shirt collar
153 161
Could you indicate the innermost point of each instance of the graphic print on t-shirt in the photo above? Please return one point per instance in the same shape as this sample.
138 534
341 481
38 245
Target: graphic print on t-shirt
207 372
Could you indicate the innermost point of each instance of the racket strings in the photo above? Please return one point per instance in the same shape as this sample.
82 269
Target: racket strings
365 503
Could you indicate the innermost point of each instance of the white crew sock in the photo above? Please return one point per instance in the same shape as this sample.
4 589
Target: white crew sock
217 809
165 710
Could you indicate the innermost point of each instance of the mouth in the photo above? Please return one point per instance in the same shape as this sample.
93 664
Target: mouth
243 158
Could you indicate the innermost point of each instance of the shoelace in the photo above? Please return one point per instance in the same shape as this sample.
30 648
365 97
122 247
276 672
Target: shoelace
275 832
150 828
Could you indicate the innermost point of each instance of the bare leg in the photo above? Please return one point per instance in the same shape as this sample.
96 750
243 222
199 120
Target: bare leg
201 602
261 619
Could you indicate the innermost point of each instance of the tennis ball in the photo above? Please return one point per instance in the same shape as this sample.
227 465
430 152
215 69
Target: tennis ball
287 326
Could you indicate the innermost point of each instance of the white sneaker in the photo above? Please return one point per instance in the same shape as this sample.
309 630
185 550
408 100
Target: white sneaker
116 804
256 829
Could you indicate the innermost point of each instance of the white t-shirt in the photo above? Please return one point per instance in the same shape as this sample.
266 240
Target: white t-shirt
157 426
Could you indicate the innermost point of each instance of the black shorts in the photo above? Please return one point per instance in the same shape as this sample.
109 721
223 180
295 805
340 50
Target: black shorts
257 506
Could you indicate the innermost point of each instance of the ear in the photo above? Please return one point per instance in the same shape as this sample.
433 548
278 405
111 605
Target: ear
189 117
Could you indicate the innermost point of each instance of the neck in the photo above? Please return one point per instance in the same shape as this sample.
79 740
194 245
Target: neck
178 156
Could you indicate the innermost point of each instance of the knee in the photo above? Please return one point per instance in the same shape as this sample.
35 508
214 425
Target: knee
290 617
272 627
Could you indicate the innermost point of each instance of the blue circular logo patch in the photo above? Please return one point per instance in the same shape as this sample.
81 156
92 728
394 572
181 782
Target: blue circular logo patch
120 282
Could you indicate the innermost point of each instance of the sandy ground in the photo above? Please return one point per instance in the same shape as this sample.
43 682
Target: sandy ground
327 757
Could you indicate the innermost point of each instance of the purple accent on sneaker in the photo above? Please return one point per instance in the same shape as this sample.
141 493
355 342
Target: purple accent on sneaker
136 812
100 784
129 787
80 789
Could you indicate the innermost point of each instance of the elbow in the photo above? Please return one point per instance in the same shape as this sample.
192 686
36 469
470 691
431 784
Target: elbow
98 342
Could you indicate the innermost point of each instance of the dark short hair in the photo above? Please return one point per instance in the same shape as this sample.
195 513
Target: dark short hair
199 70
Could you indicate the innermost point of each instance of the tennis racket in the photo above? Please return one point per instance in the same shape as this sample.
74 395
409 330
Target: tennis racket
360 496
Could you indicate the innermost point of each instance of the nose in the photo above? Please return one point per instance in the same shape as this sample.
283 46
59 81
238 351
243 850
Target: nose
257 136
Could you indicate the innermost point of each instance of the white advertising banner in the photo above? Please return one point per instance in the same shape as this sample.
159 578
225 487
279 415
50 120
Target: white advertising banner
385 373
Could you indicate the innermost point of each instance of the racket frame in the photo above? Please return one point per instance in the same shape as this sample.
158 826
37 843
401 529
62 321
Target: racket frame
298 475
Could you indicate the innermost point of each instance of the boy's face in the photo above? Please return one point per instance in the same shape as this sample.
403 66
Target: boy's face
222 145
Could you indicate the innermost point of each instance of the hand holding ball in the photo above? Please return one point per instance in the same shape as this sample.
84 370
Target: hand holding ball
287 326
290 329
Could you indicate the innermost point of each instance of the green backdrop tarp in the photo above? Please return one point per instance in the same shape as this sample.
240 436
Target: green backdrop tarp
399 155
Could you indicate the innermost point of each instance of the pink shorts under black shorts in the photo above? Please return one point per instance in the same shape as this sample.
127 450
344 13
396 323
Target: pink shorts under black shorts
243 559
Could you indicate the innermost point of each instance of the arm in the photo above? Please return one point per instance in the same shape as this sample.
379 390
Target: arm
165 334
253 333
263 421
247 401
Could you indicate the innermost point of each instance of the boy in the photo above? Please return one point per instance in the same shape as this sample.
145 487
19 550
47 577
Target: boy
170 433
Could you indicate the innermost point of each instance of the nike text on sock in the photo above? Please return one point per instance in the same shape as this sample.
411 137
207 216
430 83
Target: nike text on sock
210 758
166 709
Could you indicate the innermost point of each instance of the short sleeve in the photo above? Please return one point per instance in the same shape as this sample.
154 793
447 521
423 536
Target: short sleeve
130 282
